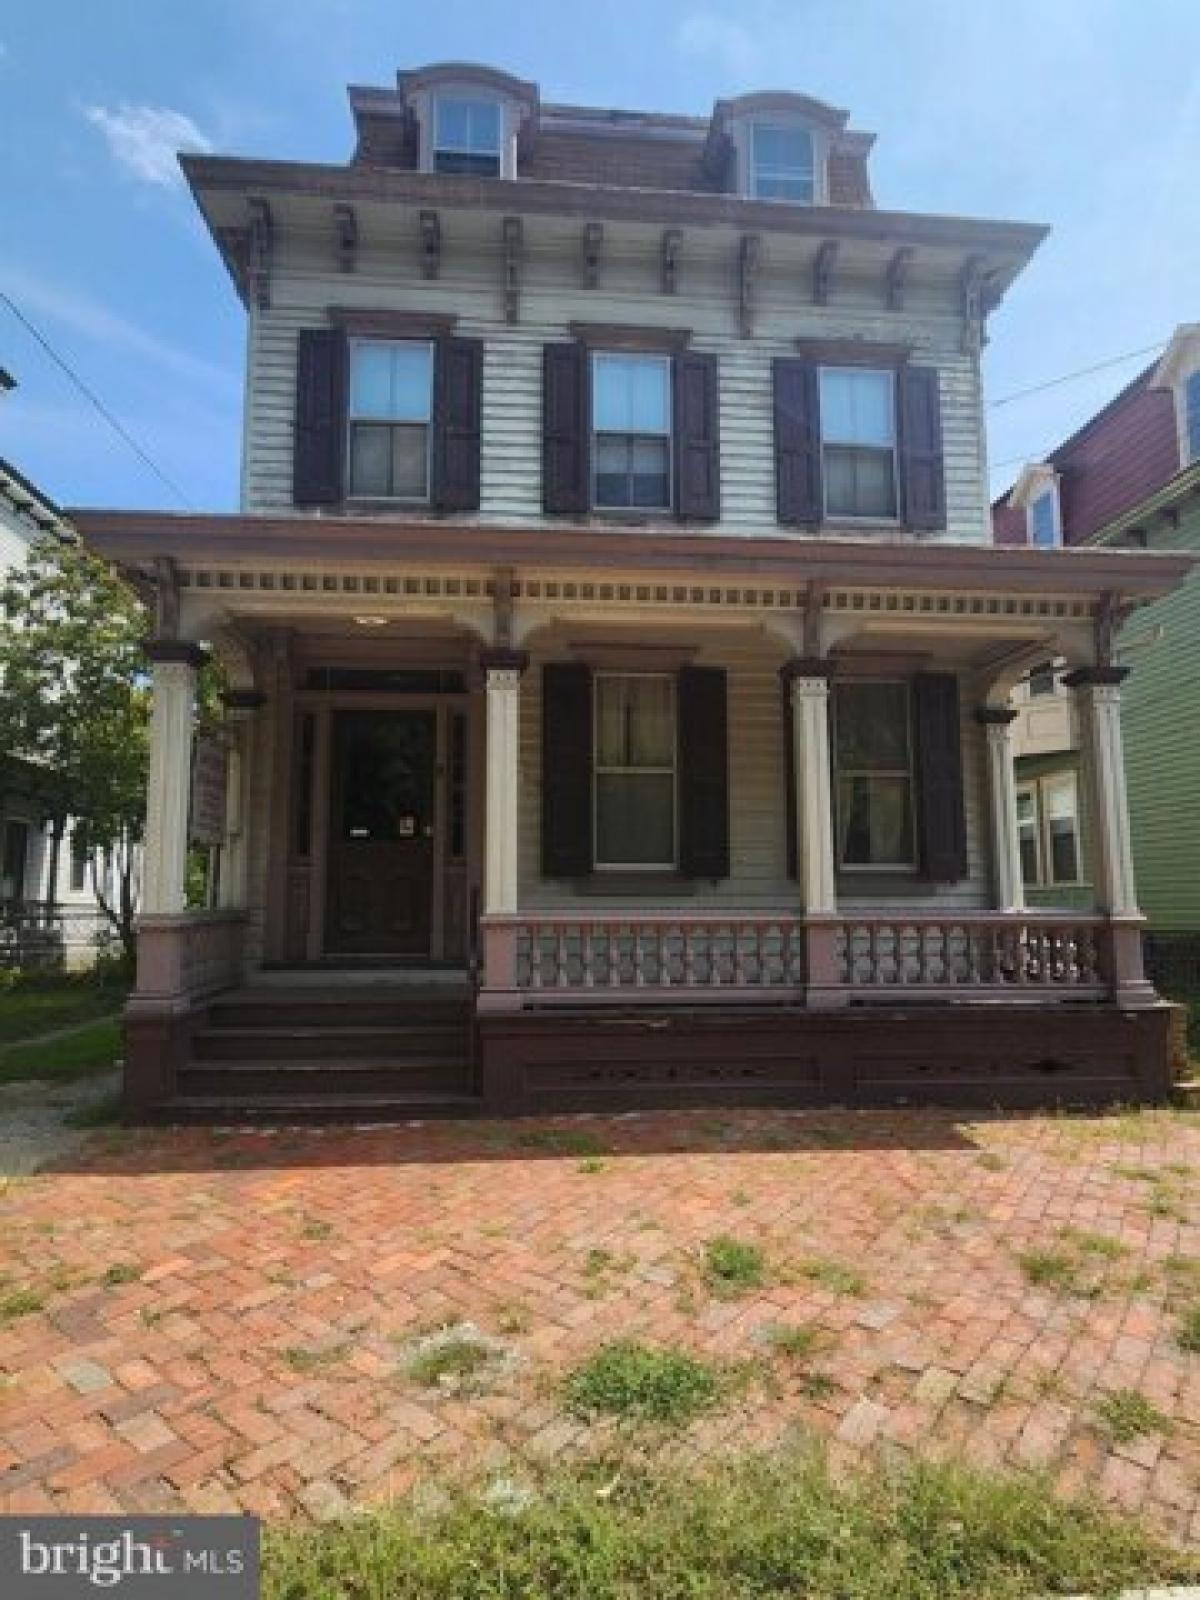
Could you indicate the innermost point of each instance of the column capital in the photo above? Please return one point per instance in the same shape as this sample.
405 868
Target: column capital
995 716
180 652
807 667
1096 677
502 658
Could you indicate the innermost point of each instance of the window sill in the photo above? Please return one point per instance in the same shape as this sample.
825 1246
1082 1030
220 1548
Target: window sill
633 885
853 885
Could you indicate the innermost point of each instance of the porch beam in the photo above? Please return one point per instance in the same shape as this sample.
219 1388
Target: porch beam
173 668
1009 880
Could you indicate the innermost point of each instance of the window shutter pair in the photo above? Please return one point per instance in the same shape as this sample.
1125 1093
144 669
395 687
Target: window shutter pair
567 432
799 494
322 373
702 764
938 772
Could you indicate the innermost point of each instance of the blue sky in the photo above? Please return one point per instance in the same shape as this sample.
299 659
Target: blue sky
1081 113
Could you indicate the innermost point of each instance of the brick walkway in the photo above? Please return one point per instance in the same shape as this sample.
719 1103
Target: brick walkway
225 1320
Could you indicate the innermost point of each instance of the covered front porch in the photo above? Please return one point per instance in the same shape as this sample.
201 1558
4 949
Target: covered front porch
673 821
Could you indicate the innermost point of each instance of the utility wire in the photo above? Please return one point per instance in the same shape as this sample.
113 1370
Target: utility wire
94 400
1080 372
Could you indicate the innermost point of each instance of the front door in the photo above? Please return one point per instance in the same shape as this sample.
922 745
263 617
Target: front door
381 833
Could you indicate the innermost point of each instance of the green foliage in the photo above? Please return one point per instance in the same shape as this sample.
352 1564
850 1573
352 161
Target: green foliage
645 1382
32 1003
835 1276
1187 1336
452 1360
1126 1414
78 1054
771 1530
16 1303
731 1266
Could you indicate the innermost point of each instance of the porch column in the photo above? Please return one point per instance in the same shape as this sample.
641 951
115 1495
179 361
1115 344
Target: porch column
1009 881
502 668
1099 690
240 708
168 792
808 684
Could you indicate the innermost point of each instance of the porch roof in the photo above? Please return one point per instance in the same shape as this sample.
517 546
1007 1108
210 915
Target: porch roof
135 539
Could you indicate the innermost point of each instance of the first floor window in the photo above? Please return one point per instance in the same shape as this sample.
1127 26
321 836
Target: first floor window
874 774
391 403
631 425
858 442
1048 830
466 136
781 163
634 773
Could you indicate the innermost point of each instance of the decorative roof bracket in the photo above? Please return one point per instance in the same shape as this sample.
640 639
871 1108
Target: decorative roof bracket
896 277
749 262
593 241
511 233
672 249
345 221
822 277
260 242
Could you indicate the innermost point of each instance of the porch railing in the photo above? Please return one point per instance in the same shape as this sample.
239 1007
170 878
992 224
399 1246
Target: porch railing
850 958
34 933
189 954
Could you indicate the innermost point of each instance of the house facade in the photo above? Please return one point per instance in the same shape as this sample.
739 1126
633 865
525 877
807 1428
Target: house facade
1127 478
616 641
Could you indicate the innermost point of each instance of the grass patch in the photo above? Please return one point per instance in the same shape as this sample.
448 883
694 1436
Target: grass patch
1187 1334
301 1359
1054 1269
797 1343
1126 1414
731 1266
450 1361
833 1275
92 1048
39 1004
1078 1265
772 1530
120 1272
315 1228
644 1382
561 1142
16 1303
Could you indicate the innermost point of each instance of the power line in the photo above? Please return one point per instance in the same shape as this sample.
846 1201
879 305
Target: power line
94 400
1080 372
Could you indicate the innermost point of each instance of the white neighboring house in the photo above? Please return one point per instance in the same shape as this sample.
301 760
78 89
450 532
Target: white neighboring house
37 919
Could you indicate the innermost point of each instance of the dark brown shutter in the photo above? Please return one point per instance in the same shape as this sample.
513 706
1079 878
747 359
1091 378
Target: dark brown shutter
566 769
703 773
457 409
565 427
697 436
941 814
922 471
798 492
320 426
789 775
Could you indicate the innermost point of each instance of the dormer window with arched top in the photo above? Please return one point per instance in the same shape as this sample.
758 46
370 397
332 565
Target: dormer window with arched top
1178 371
782 162
779 147
467 119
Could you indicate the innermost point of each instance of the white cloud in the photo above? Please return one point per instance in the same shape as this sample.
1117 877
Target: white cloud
720 40
145 139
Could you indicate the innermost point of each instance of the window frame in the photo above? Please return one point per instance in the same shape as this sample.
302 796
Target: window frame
359 341
598 769
1189 446
437 148
1037 787
874 868
870 519
1047 494
667 363
786 126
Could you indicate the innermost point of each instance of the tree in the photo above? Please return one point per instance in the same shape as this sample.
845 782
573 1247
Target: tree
75 706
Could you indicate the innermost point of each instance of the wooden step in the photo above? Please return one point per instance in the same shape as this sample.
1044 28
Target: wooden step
355 1108
269 1008
330 1078
279 1041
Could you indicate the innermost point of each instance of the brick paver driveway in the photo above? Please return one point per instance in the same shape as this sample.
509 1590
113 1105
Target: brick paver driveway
222 1320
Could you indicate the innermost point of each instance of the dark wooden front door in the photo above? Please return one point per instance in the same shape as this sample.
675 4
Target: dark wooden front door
381 833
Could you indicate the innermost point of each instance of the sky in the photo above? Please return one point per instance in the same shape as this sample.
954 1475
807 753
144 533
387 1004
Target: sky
1084 114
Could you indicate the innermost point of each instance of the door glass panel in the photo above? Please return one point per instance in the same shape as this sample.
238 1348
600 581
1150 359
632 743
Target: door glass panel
387 776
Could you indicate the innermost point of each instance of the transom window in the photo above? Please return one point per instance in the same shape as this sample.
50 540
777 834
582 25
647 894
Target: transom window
1043 521
391 402
1191 417
1048 830
466 136
858 442
634 770
631 431
781 163
874 767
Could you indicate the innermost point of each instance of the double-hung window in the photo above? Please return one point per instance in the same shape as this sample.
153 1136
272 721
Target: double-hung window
466 136
858 442
391 404
873 758
782 165
634 770
631 431
1043 521
1048 830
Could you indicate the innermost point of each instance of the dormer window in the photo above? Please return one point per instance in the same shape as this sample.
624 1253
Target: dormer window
467 136
1191 418
1042 515
782 163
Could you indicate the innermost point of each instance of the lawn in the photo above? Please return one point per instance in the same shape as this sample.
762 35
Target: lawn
780 1527
30 1006
90 1048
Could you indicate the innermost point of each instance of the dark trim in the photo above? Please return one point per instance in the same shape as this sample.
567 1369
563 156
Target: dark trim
808 667
392 324
853 352
243 699
177 650
500 658
1095 677
630 336
900 886
994 716
617 886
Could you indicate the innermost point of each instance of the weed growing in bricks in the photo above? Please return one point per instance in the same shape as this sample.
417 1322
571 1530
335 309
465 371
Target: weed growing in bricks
797 1343
455 1357
120 1272
16 1303
642 1382
731 1266
301 1359
1126 1414
1187 1335
833 1275
561 1142
990 1161
315 1228
592 1165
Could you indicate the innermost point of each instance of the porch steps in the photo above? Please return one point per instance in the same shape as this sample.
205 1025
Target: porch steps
1186 1093
359 1052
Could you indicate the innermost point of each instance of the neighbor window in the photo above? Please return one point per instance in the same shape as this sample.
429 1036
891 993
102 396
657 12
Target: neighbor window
874 768
858 441
391 401
79 860
1043 680
466 136
781 163
1043 520
631 425
1191 417
1048 830
14 859
634 770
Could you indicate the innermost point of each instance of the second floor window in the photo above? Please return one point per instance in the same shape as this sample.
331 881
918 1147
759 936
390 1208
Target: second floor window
634 771
1043 521
858 442
466 136
781 163
391 402
631 426
874 775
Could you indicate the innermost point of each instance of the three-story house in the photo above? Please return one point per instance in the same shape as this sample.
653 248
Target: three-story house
619 657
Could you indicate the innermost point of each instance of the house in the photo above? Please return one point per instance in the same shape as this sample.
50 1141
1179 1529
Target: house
48 910
1127 477
619 659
